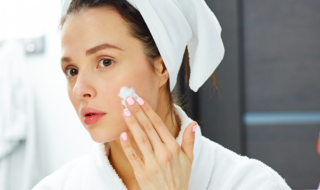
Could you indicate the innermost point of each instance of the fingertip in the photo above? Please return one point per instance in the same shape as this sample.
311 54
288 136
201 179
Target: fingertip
193 125
194 128
140 101
124 136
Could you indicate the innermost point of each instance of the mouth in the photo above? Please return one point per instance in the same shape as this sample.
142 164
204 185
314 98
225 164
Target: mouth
92 118
90 114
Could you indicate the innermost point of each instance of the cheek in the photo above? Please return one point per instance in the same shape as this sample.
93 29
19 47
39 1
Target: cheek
111 99
146 86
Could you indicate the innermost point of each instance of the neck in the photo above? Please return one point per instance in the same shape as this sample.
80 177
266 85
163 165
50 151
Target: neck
118 158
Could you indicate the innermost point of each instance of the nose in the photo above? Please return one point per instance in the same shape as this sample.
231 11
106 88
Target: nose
83 88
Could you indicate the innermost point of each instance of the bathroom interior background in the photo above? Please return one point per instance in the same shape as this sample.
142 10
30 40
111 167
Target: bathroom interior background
267 106
60 135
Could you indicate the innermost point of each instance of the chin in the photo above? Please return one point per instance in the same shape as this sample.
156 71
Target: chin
102 133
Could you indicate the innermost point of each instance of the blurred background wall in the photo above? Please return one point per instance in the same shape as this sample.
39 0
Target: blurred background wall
267 105
60 134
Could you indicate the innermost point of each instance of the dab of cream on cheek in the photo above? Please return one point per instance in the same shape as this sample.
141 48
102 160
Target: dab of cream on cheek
125 93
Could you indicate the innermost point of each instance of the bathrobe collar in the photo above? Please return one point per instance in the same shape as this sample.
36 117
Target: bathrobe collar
102 162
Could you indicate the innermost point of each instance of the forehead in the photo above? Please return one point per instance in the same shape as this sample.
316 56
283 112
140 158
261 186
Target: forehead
93 26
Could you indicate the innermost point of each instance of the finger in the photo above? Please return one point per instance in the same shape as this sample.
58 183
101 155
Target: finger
144 122
139 136
157 122
135 160
188 140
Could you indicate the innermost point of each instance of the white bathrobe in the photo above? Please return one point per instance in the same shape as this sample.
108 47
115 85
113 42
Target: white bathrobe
214 167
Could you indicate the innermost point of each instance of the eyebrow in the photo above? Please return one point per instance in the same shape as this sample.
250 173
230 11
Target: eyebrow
94 50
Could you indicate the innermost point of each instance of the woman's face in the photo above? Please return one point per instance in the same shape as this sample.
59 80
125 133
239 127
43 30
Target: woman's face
95 75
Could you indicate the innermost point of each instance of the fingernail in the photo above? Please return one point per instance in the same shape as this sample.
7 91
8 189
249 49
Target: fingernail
194 128
130 101
124 136
140 101
126 112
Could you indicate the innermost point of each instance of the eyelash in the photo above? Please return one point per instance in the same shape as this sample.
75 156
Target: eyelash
67 68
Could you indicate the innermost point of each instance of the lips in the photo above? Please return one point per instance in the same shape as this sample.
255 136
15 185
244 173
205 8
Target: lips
91 115
90 120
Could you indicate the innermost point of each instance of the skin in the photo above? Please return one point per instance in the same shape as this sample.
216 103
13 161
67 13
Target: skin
97 86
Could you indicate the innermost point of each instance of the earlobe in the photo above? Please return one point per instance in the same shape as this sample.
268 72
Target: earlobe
164 77
165 74
159 66
161 71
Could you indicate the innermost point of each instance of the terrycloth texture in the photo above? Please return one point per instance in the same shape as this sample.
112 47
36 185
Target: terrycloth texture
18 160
214 167
175 24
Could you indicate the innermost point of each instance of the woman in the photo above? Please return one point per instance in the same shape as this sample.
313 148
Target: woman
106 45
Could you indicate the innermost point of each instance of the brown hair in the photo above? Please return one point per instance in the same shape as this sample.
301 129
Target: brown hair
138 29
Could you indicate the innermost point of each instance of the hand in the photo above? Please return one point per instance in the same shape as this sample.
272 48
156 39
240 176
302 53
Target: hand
164 165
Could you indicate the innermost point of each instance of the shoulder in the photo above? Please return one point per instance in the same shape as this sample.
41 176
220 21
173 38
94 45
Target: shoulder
233 171
57 179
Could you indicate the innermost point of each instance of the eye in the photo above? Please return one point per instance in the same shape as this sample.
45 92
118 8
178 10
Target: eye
70 72
105 62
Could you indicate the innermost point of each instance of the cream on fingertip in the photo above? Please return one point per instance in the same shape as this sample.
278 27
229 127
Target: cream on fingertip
125 93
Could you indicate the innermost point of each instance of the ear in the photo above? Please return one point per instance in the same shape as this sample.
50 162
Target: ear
161 71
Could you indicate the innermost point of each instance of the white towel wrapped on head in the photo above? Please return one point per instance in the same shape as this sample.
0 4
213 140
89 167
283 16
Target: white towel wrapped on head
175 24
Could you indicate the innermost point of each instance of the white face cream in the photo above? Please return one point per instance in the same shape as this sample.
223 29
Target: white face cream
125 93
